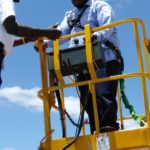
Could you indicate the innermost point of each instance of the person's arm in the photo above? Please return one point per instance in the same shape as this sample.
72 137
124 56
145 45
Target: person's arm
12 27
64 28
104 15
22 41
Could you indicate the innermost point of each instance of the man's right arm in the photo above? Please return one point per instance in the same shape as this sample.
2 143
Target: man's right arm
12 27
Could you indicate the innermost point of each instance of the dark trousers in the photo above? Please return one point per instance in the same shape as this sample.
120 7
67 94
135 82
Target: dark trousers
105 94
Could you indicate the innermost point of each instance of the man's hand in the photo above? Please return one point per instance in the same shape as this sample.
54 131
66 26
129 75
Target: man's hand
54 26
44 46
54 33
94 38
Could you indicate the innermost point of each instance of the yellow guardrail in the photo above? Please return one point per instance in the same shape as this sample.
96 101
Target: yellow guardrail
47 88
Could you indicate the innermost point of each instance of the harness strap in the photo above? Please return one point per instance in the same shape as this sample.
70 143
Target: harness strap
117 53
74 22
113 48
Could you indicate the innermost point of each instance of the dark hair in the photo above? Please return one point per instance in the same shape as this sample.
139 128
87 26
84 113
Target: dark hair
16 1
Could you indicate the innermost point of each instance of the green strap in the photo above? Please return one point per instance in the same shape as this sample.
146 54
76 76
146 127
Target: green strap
125 100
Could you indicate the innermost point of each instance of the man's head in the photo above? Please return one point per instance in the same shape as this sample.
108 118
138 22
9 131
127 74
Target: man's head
79 3
16 1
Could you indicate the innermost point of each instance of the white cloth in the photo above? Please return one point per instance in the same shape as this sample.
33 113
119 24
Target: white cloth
6 9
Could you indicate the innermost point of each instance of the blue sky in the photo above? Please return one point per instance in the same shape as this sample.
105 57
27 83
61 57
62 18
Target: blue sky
21 115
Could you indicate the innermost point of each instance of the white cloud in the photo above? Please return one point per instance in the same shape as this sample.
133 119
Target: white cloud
131 124
72 105
28 98
22 97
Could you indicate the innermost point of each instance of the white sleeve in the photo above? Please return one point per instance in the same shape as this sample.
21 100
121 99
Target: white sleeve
6 9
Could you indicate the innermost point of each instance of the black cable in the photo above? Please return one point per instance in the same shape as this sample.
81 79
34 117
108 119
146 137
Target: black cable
71 120
80 121
60 109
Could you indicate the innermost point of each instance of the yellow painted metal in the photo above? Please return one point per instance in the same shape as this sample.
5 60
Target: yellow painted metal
57 62
120 108
127 139
148 45
123 139
89 57
96 118
86 142
45 95
119 140
51 93
130 117
60 78
63 107
128 75
117 23
142 71
144 42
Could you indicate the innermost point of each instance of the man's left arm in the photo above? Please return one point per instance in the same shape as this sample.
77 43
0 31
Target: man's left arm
104 16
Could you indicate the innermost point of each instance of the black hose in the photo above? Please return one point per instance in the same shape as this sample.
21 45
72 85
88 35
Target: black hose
60 110
80 122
